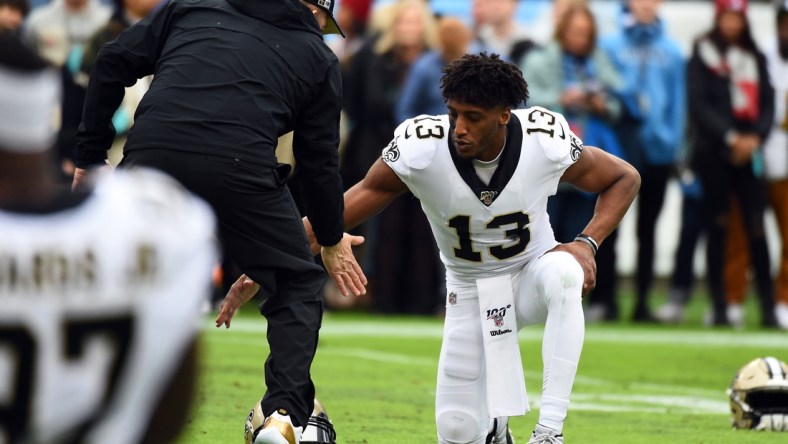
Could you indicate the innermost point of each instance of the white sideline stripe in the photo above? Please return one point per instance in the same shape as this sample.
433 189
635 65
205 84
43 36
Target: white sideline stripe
374 355
600 402
394 358
678 388
646 386
636 402
668 402
683 338
644 404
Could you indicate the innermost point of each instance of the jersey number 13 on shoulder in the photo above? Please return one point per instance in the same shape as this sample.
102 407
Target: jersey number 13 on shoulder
431 129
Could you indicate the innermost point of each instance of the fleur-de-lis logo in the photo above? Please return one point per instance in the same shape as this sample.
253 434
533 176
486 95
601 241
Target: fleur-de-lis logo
577 147
391 153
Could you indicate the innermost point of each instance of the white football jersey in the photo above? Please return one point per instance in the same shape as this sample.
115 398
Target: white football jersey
98 303
486 230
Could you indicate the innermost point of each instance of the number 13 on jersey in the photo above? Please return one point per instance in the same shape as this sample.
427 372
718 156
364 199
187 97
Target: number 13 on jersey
519 235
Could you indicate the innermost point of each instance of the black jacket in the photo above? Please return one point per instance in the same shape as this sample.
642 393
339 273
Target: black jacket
710 110
230 77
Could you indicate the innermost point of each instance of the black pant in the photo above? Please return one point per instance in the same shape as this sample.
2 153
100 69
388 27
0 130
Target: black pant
606 278
261 232
407 273
720 179
654 180
569 211
691 230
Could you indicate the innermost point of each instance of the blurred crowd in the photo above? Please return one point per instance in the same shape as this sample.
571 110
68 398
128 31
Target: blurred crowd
713 119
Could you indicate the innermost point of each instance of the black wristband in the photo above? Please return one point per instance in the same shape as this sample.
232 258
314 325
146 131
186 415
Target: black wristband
588 240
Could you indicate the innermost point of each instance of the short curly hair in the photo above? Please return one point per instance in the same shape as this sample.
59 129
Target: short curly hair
484 80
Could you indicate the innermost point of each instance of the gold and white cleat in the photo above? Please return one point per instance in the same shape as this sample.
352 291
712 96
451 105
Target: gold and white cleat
278 429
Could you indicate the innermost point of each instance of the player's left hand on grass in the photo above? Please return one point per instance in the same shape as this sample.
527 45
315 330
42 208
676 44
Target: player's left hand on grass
240 292
341 265
585 257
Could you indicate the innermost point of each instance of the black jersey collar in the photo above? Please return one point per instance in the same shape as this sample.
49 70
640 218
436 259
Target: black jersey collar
506 166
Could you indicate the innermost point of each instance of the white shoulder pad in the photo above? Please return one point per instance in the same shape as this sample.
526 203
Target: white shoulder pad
415 142
551 130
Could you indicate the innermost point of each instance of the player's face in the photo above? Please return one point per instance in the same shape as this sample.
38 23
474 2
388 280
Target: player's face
477 132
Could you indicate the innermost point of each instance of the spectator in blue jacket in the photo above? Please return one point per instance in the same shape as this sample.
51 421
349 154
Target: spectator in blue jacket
421 93
652 124
571 75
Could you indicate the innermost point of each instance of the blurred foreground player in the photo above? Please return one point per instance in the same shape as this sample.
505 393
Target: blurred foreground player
100 306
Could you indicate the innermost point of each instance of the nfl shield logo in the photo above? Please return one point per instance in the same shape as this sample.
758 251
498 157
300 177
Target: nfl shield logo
452 298
498 319
487 197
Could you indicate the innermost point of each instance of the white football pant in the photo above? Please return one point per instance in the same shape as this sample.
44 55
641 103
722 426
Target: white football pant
549 291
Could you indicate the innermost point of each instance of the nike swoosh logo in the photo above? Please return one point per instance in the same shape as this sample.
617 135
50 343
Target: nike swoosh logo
407 135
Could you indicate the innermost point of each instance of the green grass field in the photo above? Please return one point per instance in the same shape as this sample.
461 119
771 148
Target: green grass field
376 376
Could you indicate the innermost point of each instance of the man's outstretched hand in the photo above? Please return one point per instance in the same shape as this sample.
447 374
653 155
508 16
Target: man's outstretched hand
240 292
341 265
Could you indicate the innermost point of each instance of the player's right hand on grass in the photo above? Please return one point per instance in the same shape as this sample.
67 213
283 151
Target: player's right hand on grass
240 292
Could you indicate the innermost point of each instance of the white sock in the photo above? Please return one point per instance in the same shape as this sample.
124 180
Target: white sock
564 333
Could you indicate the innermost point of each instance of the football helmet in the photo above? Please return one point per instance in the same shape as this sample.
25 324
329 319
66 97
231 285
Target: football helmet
254 422
319 429
759 395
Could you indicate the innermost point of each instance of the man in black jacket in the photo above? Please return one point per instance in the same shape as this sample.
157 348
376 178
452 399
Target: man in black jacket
230 77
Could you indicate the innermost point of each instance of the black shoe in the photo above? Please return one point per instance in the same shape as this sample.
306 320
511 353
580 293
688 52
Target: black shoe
611 315
644 316
768 321
716 319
